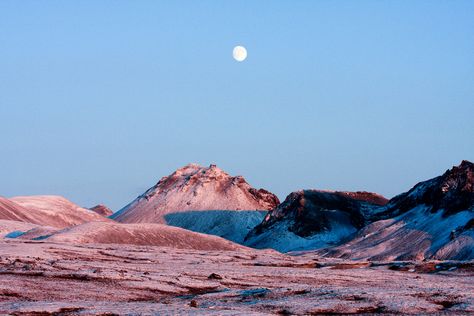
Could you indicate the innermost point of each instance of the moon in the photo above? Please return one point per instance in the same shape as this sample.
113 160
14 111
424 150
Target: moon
239 53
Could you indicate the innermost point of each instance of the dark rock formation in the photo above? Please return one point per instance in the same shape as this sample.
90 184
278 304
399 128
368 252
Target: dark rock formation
312 212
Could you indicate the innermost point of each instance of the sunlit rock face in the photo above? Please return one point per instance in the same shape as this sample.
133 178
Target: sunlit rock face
435 219
195 188
312 219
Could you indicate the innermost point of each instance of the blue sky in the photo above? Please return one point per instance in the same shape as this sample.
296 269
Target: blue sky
99 99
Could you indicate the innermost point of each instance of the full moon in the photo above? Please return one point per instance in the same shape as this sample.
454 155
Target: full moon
239 53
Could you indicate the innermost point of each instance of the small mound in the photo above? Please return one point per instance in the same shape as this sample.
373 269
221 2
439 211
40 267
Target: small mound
141 234
103 210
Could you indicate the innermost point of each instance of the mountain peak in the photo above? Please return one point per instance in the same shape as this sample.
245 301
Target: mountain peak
459 178
466 163
194 187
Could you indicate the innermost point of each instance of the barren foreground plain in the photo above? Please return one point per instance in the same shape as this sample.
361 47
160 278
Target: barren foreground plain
45 278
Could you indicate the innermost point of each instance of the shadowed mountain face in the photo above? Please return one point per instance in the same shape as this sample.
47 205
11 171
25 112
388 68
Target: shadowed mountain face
231 225
435 219
195 188
312 219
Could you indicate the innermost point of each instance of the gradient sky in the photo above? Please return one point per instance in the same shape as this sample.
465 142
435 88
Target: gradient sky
100 99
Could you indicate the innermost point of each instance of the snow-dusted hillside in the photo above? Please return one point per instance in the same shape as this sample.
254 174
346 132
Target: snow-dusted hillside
195 188
312 219
414 235
435 219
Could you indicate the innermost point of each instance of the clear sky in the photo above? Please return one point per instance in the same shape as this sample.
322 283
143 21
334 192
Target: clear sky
100 99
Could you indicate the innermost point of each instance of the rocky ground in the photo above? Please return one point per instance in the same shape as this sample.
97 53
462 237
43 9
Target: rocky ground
44 278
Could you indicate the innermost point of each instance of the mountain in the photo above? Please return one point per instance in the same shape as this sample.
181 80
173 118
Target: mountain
141 234
310 219
50 210
102 210
433 220
195 188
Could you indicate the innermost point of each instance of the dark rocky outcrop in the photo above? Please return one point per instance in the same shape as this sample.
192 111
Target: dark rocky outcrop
308 213
311 211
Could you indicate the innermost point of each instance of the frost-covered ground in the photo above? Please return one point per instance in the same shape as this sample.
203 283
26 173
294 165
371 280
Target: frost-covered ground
44 278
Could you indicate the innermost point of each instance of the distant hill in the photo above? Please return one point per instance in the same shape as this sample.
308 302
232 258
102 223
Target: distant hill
49 210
